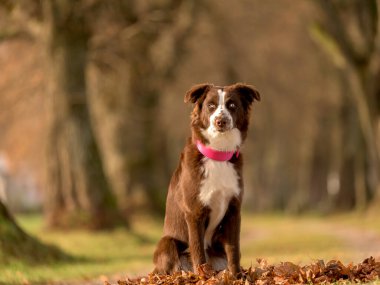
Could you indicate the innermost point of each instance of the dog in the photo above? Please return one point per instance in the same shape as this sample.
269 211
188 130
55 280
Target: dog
202 218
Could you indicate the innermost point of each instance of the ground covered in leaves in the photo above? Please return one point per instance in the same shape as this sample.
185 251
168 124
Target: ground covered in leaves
318 272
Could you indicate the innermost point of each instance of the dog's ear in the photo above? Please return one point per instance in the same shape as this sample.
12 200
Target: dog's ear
197 92
248 92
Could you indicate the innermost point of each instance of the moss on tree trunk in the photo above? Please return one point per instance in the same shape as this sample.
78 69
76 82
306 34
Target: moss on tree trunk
16 244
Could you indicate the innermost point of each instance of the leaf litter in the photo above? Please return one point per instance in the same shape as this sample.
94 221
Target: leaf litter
284 273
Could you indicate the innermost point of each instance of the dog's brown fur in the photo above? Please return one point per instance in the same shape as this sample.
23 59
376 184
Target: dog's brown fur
186 219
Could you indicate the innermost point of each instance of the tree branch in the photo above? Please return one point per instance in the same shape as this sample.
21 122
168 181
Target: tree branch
335 26
21 19
172 41
328 44
368 23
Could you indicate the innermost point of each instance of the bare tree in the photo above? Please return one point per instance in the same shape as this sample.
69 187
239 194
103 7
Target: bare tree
145 42
349 33
77 189
145 48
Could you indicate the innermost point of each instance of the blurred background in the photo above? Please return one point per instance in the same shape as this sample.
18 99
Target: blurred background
92 119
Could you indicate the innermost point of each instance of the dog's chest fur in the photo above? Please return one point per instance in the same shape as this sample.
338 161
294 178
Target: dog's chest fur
219 185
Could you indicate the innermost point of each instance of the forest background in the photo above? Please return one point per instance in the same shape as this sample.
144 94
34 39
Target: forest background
92 119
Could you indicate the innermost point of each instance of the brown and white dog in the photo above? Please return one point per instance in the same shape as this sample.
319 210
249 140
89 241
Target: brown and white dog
202 220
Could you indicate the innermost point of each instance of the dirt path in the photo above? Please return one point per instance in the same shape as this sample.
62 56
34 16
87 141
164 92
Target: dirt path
366 242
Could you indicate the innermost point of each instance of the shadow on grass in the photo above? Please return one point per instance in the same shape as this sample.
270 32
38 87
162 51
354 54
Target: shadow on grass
69 255
33 252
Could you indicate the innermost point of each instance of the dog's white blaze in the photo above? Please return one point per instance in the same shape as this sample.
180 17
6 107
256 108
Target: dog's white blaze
220 184
220 110
226 141
222 95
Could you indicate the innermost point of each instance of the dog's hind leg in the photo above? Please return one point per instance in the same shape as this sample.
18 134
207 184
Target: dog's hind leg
166 257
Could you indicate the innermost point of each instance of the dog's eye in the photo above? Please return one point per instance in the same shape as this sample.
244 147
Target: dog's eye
211 106
231 106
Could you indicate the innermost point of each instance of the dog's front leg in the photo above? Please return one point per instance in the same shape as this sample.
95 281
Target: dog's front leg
231 236
196 243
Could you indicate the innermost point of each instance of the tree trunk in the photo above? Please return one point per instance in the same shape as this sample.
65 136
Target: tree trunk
153 55
357 56
78 193
319 169
152 47
18 245
148 158
10 232
352 189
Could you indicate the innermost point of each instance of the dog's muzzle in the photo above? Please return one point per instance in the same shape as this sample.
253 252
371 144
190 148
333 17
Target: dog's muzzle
222 123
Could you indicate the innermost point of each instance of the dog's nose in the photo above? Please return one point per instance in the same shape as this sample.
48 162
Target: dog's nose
221 122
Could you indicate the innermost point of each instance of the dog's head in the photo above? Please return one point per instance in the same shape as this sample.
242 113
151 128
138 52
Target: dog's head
221 114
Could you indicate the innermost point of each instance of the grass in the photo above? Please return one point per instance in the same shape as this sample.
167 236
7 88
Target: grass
272 237
294 239
98 253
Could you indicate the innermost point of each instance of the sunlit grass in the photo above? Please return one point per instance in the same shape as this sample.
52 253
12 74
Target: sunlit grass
294 239
98 253
275 238
360 220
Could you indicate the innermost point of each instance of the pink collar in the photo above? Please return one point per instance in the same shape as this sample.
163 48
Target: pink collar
216 154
